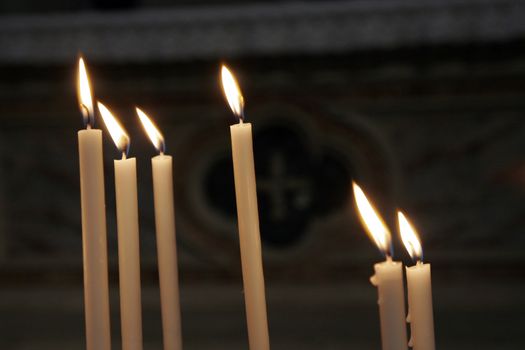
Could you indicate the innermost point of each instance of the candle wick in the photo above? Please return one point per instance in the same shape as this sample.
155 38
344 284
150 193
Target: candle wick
124 155
161 153
241 116
388 258
88 118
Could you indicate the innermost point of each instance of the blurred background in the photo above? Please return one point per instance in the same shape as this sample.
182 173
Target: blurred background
421 102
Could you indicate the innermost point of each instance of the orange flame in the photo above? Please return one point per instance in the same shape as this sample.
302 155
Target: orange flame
232 92
85 99
117 132
410 237
372 221
153 132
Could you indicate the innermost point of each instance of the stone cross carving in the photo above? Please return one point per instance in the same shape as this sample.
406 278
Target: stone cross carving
278 184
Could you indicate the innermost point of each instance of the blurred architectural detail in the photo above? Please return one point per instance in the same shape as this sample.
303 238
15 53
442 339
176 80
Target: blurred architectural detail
422 102
304 171
208 31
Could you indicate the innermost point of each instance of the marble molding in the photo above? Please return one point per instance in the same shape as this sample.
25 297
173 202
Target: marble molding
258 29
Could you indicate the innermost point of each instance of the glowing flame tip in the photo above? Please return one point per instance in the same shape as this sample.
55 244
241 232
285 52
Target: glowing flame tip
409 237
373 223
117 132
232 92
85 98
153 132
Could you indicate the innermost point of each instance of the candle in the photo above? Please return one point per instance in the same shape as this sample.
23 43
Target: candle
419 286
95 258
248 217
166 240
128 236
388 277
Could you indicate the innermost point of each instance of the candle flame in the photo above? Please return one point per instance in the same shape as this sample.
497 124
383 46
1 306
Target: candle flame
373 223
117 132
410 237
153 132
232 92
85 99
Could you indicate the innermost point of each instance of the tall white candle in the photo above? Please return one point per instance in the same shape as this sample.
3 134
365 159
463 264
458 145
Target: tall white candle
420 313
248 218
95 260
166 239
128 236
388 277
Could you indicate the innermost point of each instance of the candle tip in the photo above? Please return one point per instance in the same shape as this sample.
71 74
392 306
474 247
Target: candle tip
85 98
232 92
372 221
117 132
152 131
409 237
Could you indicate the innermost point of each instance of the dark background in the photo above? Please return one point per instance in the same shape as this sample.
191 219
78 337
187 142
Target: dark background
421 102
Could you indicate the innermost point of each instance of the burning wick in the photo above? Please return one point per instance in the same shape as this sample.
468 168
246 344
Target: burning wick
117 132
373 223
153 132
233 93
410 238
85 98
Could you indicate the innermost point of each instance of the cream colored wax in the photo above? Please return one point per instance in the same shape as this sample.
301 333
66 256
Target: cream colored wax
96 292
420 307
249 236
167 251
128 253
388 279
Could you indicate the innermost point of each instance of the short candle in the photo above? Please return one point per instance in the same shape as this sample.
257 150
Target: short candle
419 285
388 277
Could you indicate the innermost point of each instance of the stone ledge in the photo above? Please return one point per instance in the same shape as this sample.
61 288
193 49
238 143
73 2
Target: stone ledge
240 30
